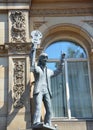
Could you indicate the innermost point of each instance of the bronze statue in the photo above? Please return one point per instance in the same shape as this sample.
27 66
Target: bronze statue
42 90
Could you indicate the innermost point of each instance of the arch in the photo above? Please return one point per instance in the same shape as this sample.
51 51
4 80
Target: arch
68 32
73 33
71 50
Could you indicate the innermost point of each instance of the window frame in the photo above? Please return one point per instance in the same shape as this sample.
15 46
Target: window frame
67 87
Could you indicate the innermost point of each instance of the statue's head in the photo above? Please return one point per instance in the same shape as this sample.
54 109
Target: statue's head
43 59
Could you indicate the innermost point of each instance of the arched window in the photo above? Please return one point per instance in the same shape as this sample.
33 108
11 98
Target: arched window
71 87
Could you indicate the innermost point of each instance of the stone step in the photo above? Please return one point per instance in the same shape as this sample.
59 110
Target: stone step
41 127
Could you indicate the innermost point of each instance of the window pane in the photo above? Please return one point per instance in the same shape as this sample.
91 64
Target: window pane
59 107
80 99
71 50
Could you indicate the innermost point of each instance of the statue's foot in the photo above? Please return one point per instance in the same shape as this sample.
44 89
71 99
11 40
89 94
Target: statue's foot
37 124
47 124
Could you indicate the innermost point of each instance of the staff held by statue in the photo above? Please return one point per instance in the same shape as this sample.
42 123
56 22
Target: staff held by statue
36 40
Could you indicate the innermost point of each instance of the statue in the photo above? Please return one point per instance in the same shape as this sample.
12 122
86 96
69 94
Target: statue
42 88
42 91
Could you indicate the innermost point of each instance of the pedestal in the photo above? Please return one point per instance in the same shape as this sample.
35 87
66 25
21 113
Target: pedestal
43 127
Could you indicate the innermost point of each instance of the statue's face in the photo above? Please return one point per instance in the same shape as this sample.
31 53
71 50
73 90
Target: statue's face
43 60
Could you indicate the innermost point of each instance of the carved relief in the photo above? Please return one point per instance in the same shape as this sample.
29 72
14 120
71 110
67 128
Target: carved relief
19 48
19 83
18 30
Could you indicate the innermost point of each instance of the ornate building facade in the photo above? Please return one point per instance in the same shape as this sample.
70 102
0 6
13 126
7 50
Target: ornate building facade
58 20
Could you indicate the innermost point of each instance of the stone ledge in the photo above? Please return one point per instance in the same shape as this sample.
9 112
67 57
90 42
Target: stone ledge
41 127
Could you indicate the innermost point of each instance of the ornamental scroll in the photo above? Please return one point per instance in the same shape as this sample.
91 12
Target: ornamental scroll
18 29
19 83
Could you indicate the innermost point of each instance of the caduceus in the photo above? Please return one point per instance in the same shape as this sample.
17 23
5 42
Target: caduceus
36 40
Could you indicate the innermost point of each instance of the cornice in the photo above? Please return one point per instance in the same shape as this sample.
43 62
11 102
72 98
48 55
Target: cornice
62 12
17 49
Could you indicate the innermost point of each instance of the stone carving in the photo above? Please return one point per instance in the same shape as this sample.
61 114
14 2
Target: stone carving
18 48
19 82
18 30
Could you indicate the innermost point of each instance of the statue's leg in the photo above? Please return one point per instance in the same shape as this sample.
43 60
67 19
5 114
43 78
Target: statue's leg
37 103
47 104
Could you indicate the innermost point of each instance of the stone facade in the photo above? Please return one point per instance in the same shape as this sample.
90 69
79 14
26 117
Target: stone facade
57 20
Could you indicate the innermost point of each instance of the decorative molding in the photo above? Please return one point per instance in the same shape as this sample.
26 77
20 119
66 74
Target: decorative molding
89 22
18 29
62 12
19 48
19 82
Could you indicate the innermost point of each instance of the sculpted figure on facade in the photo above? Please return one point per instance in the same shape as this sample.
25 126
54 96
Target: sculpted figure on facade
18 30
